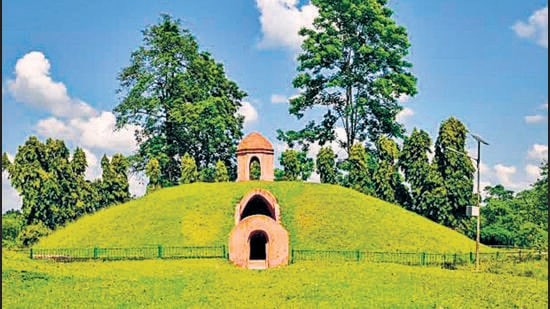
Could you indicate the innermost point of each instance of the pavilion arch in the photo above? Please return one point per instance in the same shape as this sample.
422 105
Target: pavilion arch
258 239
252 160
257 202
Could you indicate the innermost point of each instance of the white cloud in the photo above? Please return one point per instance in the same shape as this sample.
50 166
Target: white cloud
10 196
249 112
94 132
536 27
504 174
404 98
34 86
533 172
138 184
538 152
404 114
281 20
535 119
278 98
544 106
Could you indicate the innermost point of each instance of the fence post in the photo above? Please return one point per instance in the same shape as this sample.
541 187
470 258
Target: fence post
95 253
454 259
423 258
291 255
471 257
31 254
358 255
160 252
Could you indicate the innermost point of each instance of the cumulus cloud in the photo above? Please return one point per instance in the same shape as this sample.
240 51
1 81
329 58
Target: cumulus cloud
535 28
533 172
535 119
281 20
249 112
34 86
278 98
538 152
404 98
10 196
404 114
94 132
504 174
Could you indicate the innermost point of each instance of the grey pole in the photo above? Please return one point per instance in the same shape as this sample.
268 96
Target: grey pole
478 204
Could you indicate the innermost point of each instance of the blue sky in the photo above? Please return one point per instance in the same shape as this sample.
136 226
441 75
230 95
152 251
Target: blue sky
484 62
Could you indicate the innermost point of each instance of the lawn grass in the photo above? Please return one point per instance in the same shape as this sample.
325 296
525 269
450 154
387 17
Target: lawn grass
216 283
317 216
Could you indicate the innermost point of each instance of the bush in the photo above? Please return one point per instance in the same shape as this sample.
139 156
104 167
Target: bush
31 234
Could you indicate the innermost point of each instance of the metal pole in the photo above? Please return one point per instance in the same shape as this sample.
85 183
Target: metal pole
478 199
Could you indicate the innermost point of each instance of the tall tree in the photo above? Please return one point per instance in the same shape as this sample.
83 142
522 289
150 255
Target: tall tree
181 100
456 169
360 167
153 172
45 178
291 164
388 183
414 162
189 172
326 165
221 172
352 65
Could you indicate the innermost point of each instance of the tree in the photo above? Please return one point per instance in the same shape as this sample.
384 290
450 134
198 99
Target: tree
114 180
414 162
388 183
153 172
44 177
291 164
456 169
353 66
189 173
326 165
360 167
221 172
181 101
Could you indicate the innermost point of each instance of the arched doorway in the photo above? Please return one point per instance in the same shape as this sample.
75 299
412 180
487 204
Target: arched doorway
258 245
257 206
255 169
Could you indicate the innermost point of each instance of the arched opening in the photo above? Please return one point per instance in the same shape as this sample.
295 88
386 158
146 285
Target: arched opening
255 169
258 245
257 206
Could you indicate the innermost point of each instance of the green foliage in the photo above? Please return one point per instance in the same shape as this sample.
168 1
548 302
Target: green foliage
152 170
326 165
353 65
114 186
189 173
255 170
414 162
279 174
360 167
221 172
456 169
388 183
49 183
296 165
207 174
31 234
13 223
519 220
182 101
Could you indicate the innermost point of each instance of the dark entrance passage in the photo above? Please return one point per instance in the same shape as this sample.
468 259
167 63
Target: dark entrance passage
258 245
257 206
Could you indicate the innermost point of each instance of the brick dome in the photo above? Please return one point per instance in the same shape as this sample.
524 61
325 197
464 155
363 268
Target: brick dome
254 141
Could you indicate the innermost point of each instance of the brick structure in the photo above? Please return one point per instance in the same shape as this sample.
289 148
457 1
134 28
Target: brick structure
255 147
258 239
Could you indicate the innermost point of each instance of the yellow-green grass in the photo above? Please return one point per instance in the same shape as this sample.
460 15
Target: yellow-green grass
218 284
317 216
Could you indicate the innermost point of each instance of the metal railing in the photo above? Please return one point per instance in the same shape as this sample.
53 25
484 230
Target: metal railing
296 255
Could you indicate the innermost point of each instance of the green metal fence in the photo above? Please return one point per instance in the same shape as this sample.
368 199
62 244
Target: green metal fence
419 258
142 253
296 255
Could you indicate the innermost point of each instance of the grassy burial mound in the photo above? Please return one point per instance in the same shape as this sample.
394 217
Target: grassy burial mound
317 216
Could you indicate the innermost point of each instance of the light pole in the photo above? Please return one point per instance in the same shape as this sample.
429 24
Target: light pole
479 141
478 200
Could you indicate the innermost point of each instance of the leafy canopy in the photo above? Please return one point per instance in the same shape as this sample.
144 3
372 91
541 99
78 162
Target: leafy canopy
352 66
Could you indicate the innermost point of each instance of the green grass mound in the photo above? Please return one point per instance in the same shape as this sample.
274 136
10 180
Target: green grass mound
317 216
